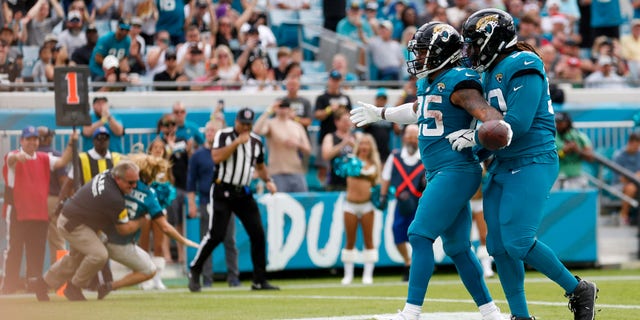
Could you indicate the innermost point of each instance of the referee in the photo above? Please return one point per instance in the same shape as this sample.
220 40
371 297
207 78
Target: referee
236 152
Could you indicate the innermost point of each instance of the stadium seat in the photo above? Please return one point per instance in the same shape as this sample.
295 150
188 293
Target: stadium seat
31 55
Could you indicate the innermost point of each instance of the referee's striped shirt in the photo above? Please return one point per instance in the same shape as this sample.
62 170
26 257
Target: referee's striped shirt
238 168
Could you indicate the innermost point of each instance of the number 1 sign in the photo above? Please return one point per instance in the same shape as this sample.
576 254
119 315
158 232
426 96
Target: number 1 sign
71 86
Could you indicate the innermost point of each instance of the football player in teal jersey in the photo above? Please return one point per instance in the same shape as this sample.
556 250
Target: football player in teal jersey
521 175
449 100
140 202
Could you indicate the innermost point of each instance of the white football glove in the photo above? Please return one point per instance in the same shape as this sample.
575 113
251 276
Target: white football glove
509 134
366 114
465 138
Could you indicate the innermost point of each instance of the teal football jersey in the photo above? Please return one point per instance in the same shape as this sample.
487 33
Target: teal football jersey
438 117
142 200
509 88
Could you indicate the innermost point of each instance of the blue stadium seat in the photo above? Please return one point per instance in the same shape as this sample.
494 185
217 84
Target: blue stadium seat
312 67
31 55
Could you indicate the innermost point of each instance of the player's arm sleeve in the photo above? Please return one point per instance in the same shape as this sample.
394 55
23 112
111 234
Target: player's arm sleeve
522 104
402 114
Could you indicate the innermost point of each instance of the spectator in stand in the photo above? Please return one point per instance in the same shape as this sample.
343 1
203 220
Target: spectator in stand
193 65
630 51
136 34
293 4
529 30
113 74
210 81
179 148
605 77
155 57
252 48
194 39
9 36
284 59
39 21
172 19
294 70
358 210
605 46
458 12
354 26
606 18
9 69
171 73
116 43
73 37
228 70
147 10
43 68
259 78
567 69
628 158
408 18
200 13
55 240
102 117
340 63
574 147
106 10
381 131
199 179
386 53
136 57
258 20
82 55
440 14
228 35
80 5
26 175
333 12
300 106
371 14
288 143
326 104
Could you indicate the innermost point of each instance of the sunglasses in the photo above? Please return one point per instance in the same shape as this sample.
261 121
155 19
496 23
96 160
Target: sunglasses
179 111
132 182
101 137
168 124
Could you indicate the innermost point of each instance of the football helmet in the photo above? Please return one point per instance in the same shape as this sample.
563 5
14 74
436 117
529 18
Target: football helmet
486 34
434 45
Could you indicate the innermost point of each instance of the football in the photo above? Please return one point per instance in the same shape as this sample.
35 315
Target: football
493 135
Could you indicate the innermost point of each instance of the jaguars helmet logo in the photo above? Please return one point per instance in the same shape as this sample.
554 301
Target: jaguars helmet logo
443 31
499 77
487 24
440 86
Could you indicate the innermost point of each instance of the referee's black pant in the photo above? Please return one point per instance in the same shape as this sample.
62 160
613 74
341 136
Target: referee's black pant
227 199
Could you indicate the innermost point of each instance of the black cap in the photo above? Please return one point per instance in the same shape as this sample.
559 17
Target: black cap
170 53
245 115
285 103
100 98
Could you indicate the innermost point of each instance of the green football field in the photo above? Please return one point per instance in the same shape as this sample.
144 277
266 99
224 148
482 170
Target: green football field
325 298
